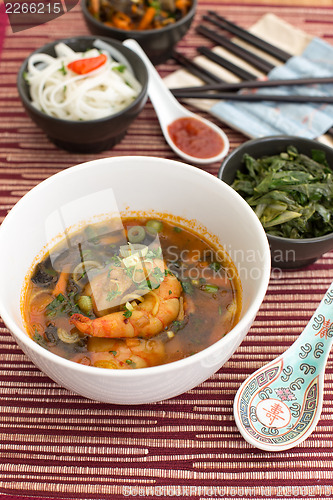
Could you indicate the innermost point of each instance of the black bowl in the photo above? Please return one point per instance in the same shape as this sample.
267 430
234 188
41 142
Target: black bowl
286 253
92 136
158 44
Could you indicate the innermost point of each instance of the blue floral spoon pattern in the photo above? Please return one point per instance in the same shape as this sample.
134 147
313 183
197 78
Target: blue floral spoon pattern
279 405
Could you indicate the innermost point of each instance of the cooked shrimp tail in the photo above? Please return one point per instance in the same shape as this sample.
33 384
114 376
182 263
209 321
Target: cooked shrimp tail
123 353
158 309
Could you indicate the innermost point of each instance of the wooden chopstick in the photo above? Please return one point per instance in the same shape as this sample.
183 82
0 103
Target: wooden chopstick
196 69
248 37
256 84
236 70
181 94
235 49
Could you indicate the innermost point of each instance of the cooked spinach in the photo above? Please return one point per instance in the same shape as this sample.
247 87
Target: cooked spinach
291 193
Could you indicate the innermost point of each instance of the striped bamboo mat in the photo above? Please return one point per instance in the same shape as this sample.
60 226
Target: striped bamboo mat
55 444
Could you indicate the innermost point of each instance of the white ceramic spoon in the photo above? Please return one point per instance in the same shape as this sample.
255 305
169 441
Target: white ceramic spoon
279 406
168 109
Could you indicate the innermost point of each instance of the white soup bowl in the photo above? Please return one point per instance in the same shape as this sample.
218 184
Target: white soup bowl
147 184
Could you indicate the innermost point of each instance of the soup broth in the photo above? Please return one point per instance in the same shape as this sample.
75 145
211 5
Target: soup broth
132 295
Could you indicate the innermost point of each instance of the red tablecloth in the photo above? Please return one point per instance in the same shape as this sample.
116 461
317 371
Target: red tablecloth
56 444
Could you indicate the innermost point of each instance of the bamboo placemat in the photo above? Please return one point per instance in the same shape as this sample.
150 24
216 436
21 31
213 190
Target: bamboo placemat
55 444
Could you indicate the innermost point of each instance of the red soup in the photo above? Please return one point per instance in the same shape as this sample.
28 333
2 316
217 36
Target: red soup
148 294
195 138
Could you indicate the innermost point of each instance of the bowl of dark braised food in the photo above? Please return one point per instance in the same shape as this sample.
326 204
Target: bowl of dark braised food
157 26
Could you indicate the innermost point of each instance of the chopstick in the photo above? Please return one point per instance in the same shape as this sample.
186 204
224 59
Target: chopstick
248 37
196 69
235 49
182 94
247 56
257 84
236 70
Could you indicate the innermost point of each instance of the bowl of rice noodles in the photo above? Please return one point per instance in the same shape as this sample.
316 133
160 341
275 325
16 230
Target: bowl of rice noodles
83 92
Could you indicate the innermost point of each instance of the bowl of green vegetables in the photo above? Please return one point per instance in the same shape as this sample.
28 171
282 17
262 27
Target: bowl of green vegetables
288 182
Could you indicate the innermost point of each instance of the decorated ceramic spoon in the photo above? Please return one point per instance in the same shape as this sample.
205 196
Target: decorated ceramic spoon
279 405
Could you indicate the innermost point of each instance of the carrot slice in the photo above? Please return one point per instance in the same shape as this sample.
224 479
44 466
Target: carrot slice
84 66
182 5
121 20
60 287
147 18
94 7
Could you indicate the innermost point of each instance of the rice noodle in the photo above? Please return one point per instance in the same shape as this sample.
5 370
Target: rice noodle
157 303
59 92
132 296
84 267
181 314
115 53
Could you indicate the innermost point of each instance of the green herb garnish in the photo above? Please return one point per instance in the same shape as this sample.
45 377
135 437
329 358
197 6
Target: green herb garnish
62 306
39 339
158 275
63 69
115 261
121 68
113 294
187 287
215 266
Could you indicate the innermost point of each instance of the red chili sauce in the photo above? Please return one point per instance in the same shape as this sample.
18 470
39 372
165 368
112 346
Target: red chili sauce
195 138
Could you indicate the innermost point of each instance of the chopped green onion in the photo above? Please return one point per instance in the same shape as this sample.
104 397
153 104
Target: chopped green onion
209 288
154 226
85 304
136 234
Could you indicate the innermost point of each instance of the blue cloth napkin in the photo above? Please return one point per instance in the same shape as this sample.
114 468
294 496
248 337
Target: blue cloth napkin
257 119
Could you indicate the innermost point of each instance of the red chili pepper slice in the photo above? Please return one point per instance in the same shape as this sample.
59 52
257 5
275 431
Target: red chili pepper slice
84 66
